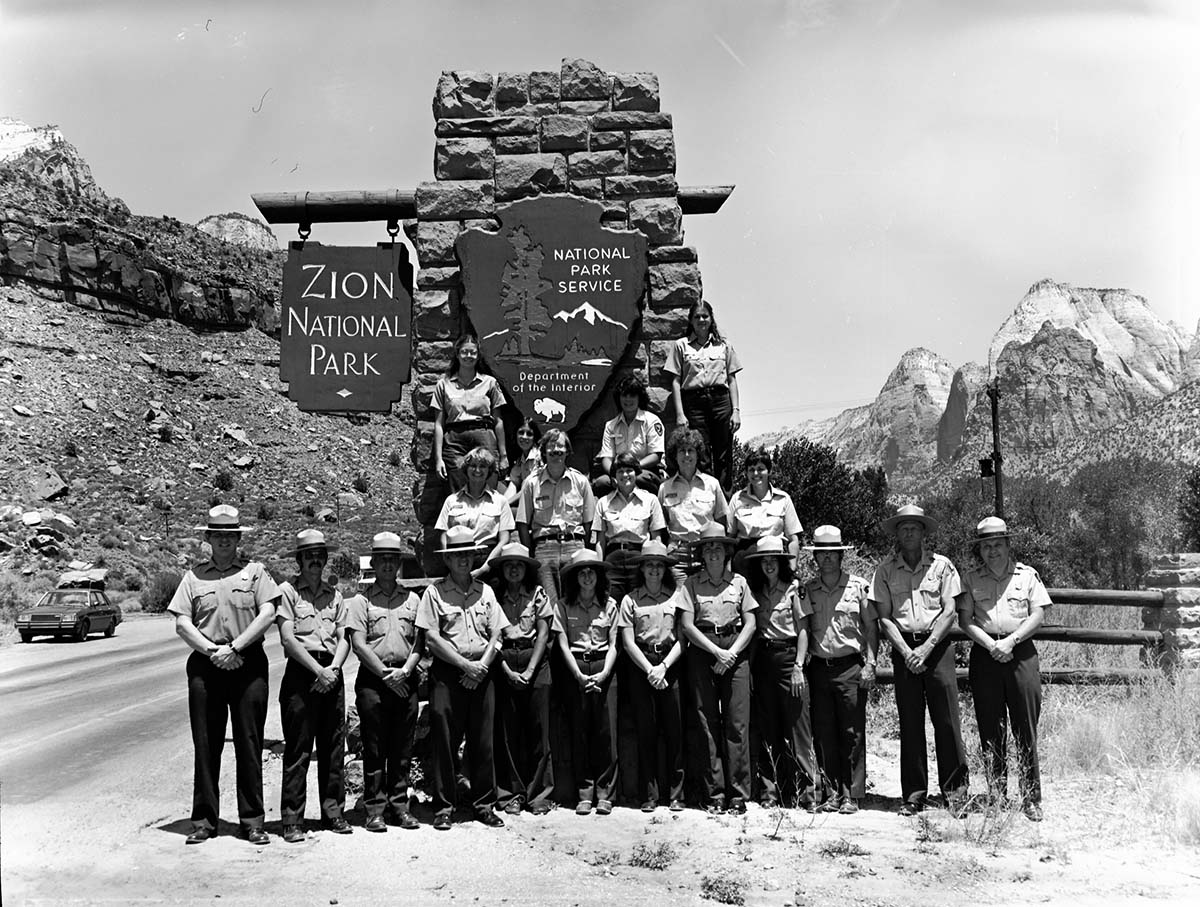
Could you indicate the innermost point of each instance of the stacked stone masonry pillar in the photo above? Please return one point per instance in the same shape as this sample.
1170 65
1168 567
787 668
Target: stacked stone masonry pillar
1178 577
581 131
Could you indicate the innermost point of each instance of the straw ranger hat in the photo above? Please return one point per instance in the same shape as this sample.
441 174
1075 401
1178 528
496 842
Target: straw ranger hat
514 551
224 518
460 540
991 527
654 550
827 538
713 532
586 557
768 546
910 512
308 539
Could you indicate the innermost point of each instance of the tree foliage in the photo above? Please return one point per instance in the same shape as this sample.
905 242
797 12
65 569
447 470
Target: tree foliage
1189 510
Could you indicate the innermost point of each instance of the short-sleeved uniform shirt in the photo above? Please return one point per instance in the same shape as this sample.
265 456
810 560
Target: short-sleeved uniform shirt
466 620
523 611
587 628
388 622
752 517
641 437
524 467
776 618
690 506
464 402
628 519
566 503
485 515
915 595
726 601
839 616
1000 605
710 365
223 603
651 617
315 614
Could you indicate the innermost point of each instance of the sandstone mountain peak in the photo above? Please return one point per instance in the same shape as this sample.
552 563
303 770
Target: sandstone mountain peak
242 229
44 153
1129 336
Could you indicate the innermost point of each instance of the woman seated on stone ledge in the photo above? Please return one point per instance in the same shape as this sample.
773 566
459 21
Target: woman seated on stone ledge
479 508
634 430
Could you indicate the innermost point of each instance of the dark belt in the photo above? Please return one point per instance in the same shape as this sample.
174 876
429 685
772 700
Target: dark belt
778 643
658 648
558 535
622 546
714 390
705 626
837 662
917 638
593 655
322 658
470 425
522 642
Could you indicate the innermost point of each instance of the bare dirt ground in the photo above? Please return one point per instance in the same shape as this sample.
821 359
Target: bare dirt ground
112 831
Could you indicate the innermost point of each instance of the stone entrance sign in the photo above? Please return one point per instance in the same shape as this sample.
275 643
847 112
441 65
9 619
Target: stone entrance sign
553 295
345 326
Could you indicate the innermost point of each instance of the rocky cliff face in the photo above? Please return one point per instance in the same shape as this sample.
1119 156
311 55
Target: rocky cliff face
241 230
966 385
62 234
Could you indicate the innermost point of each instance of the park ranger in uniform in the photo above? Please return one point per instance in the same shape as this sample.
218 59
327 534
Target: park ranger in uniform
312 698
1001 606
914 592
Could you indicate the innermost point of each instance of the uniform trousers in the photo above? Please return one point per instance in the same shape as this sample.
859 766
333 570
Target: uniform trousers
839 720
624 575
658 716
455 713
722 707
936 689
310 717
388 724
709 410
589 720
215 697
1000 691
524 770
685 565
551 555
786 770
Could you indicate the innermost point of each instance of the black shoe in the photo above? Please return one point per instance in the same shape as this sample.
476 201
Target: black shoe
257 836
541 807
737 806
807 804
376 824
338 825
716 806
676 806
849 806
442 822
911 807
293 834
407 820
828 806
489 818
199 836
768 802
513 807
649 806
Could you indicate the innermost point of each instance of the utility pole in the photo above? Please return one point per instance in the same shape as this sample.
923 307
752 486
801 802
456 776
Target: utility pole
993 393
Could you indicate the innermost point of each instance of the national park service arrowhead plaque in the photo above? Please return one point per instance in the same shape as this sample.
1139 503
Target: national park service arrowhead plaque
553 296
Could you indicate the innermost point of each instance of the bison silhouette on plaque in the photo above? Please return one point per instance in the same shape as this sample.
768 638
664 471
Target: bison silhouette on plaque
553 295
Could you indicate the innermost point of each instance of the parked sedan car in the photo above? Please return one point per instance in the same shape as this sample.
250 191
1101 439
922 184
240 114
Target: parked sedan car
70 612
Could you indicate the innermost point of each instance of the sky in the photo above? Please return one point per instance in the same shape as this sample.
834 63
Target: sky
904 171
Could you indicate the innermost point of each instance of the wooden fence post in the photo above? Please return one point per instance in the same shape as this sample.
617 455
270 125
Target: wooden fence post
1178 577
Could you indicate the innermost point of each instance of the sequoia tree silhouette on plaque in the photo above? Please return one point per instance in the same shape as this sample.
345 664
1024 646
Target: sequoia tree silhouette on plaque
521 289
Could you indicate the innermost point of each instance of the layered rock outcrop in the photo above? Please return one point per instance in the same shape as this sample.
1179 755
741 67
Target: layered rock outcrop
241 230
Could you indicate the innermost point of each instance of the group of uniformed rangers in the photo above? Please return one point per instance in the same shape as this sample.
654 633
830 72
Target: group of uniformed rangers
568 600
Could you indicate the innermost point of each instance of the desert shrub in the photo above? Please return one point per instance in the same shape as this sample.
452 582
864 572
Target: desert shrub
70 449
658 856
724 889
343 565
14 595
223 480
133 582
166 433
158 592
308 510
394 458
109 540
361 484
267 511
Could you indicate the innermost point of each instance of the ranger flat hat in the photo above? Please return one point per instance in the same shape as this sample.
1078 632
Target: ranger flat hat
514 551
585 557
991 527
654 550
386 543
827 538
713 532
460 540
307 539
224 518
768 546
910 512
